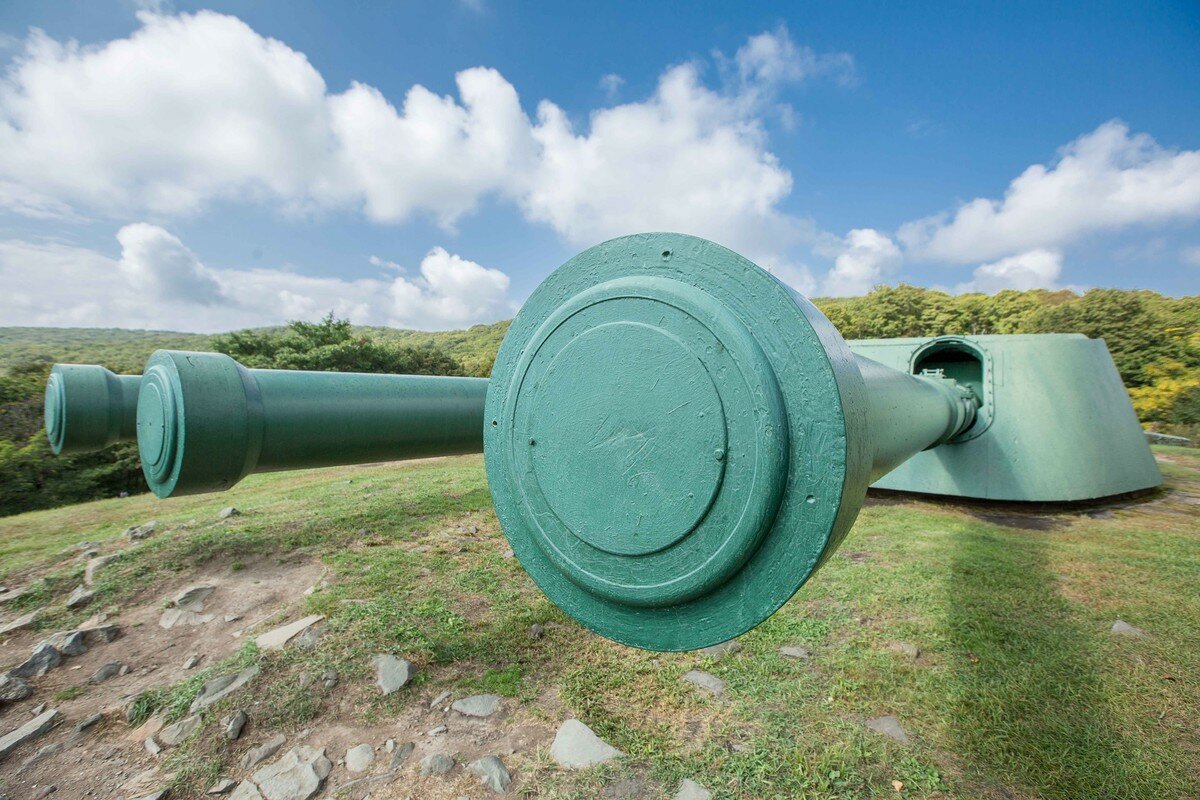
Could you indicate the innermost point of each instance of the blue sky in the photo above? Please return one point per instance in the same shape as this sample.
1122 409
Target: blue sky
255 162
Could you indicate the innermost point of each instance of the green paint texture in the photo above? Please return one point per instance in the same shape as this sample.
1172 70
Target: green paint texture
88 407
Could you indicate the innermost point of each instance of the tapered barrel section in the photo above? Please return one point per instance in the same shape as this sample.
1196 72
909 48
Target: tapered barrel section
89 407
204 421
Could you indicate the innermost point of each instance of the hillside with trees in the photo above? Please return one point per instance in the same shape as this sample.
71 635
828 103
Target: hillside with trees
1154 341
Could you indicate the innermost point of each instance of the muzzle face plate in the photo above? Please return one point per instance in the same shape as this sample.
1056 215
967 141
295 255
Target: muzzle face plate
666 442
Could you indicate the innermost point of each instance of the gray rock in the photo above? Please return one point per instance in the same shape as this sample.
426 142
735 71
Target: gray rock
28 732
536 631
279 637
174 617
477 705
232 725
441 698
690 790
296 776
401 754
94 565
12 594
221 687
226 513
80 597
329 678
232 617
390 745
577 747
88 722
176 732
141 531
109 670
257 755
391 673
192 661
43 752
39 708
492 773
100 634
718 650
438 731
45 791
905 648
44 659
1123 628
67 643
159 795
152 747
889 726
246 791
360 758
309 638
436 764
795 651
13 688
223 786
22 622
193 597
706 681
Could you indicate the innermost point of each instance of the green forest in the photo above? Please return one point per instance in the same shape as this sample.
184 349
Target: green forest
1154 341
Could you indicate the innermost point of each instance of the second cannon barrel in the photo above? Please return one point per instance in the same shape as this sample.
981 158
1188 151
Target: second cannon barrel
204 421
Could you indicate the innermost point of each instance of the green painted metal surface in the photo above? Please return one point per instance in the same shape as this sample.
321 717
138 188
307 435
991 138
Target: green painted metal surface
1055 425
676 441
204 421
88 407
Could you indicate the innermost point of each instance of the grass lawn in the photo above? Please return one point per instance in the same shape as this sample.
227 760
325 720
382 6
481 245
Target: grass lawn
1019 690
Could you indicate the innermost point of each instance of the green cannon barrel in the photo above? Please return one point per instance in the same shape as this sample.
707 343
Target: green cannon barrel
204 421
88 407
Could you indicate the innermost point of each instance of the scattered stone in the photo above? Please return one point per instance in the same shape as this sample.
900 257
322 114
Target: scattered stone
390 745
309 638
12 594
193 597
223 786
44 659
391 673
140 532
109 670
232 725
80 597
13 688
889 726
22 622
401 754
28 732
492 773
152 747
706 681
99 633
257 755
43 752
221 687
226 513
438 731
536 631
176 732
39 708
94 565
577 747
690 790
88 722
276 639
478 705
509 554
1123 628
246 791
441 698
45 791
67 643
296 776
159 795
360 758
436 764
232 617
795 651
174 617
718 650
192 661
329 678
905 648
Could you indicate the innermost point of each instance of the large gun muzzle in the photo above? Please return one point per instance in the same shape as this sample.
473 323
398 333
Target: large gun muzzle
88 407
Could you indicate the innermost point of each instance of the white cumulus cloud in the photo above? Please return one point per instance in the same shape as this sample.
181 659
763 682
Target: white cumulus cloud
1035 269
1105 180
866 258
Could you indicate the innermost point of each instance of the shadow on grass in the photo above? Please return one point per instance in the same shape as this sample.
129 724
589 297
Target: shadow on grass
1026 705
